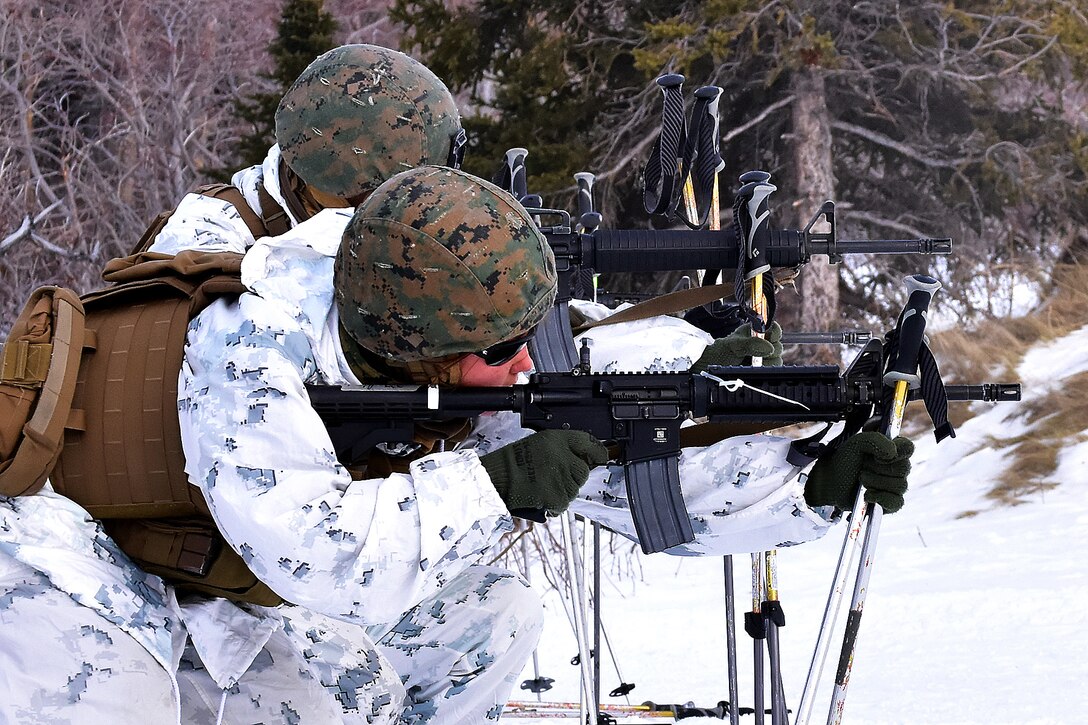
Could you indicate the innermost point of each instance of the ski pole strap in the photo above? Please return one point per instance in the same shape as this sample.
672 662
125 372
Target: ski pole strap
701 160
662 190
934 395
804 451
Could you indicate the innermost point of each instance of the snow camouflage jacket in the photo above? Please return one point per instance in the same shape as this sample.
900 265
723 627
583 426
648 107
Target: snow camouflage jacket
361 551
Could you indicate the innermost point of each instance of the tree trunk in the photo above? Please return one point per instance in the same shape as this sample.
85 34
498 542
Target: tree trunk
819 281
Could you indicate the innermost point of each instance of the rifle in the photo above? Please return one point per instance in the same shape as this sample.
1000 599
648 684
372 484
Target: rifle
650 250
640 413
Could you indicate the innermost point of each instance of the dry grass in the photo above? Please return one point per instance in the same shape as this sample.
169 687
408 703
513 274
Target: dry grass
1057 420
992 350
995 347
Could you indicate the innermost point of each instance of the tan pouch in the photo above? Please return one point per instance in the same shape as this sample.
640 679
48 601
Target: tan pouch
191 555
38 368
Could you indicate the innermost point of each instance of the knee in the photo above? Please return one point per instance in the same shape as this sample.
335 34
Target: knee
527 603
510 597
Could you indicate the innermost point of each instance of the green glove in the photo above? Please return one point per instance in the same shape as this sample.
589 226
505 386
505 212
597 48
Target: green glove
867 459
544 471
739 345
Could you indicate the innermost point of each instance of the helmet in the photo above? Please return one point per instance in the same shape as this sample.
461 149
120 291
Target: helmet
359 114
437 262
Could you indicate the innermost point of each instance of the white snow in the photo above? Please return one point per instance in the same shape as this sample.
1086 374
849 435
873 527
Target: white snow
977 619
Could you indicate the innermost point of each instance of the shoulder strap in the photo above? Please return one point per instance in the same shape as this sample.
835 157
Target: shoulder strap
272 221
275 219
233 195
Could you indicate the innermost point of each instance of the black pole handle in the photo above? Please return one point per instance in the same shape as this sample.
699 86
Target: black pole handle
661 193
588 216
911 328
670 81
515 171
753 216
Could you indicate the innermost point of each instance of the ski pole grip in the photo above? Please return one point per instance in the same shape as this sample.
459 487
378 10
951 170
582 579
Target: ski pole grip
752 215
670 81
515 169
585 181
712 96
912 327
588 217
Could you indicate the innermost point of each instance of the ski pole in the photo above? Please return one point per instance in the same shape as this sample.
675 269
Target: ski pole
579 618
537 684
588 221
514 173
597 626
714 221
624 688
921 291
903 374
660 194
831 611
756 627
731 640
771 609
751 214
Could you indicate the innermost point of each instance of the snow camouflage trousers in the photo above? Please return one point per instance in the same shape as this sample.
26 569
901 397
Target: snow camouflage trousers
457 656
61 662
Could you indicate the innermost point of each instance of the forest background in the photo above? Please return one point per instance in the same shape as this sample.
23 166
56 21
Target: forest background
964 119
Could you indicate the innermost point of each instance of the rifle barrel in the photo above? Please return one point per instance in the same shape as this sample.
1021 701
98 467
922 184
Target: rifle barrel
892 246
846 337
986 392
662 250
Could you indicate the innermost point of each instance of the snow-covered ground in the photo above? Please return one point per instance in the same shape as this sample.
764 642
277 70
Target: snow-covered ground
968 620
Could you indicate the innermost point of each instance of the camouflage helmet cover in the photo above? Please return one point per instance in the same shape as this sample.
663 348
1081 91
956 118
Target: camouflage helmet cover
361 113
437 262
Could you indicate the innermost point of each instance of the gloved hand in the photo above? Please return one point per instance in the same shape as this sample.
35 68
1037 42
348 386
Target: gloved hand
543 471
867 459
739 345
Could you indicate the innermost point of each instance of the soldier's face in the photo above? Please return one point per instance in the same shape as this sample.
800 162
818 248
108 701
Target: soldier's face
474 371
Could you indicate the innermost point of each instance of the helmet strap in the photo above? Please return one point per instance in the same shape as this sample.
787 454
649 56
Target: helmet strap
294 193
372 368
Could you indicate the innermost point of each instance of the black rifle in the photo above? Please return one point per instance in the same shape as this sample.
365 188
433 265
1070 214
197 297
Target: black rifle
649 250
640 413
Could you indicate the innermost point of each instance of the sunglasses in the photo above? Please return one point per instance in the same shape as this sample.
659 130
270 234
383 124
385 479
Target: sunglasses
458 143
503 352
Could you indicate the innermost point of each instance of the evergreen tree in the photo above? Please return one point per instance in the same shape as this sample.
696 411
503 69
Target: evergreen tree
305 32
931 118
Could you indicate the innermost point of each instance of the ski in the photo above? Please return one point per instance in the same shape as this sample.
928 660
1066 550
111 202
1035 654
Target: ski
647 710
572 710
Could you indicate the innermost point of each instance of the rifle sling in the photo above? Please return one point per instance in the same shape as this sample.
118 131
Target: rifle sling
705 434
664 305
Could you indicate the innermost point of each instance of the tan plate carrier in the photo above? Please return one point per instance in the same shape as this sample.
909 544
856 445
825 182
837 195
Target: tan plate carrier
104 427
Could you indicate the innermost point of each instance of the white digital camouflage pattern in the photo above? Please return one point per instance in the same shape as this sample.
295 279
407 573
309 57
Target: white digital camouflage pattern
741 494
363 552
87 636
113 628
398 622
214 225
